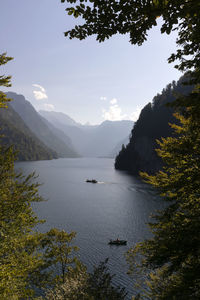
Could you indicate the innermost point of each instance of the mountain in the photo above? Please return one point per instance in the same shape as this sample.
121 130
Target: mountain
15 132
91 140
153 123
106 136
119 146
60 134
58 118
39 127
75 131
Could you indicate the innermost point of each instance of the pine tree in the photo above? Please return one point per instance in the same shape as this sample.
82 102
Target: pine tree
172 257
25 255
59 255
4 80
88 286
18 257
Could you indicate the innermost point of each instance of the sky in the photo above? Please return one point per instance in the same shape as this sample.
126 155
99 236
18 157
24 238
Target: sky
89 81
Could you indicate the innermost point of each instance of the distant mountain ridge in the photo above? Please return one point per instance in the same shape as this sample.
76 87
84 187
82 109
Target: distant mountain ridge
59 118
39 127
119 146
91 140
153 123
51 134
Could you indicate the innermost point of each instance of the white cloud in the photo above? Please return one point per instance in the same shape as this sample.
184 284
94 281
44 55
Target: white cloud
103 98
113 101
40 93
114 112
48 106
39 87
135 115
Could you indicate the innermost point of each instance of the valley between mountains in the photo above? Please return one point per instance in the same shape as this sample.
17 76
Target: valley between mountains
49 134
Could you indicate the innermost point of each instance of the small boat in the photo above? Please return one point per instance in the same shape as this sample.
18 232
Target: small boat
117 242
92 180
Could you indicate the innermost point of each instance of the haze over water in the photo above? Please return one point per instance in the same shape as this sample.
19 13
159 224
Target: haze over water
117 207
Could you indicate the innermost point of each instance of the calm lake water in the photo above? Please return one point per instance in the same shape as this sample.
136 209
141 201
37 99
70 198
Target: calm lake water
118 206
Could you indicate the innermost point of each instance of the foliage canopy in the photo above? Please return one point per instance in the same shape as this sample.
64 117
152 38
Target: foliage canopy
18 243
4 80
136 18
32 262
171 258
24 253
88 286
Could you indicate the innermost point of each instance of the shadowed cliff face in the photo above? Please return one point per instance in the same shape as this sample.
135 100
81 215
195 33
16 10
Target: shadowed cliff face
153 123
147 159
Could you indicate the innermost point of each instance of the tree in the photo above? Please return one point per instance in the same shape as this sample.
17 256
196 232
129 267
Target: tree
152 124
25 255
24 265
88 286
171 258
4 80
100 284
18 244
74 288
137 17
59 255
18 257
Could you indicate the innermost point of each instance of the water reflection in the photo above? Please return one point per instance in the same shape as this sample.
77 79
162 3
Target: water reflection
119 206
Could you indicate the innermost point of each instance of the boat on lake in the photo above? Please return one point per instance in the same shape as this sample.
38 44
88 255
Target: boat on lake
117 242
92 180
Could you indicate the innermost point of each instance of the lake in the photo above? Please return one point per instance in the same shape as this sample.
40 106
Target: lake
117 207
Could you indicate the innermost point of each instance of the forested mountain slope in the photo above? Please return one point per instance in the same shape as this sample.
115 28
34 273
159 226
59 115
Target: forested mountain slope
15 132
37 125
153 123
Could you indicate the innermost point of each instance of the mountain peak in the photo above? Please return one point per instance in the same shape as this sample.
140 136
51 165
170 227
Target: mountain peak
58 117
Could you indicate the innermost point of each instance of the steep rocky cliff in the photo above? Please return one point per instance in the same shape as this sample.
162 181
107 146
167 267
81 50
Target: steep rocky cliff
153 123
